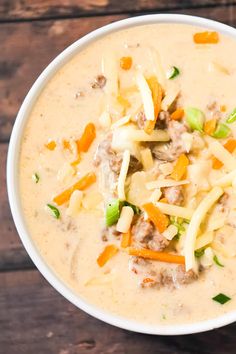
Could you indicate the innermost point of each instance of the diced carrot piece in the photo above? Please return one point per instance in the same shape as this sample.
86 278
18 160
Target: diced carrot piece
123 102
126 63
158 256
82 184
206 37
177 114
230 145
126 239
87 138
108 252
66 145
51 145
159 219
223 108
210 126
156 90
148 280
180 168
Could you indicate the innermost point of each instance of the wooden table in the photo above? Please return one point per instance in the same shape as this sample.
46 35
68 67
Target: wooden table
34 318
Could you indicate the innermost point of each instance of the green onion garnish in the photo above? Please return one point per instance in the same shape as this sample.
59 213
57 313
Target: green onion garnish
216 260
55 211
179 223
199 253
232 117
195 118
174 71
221 298
112 212
222 131
35 177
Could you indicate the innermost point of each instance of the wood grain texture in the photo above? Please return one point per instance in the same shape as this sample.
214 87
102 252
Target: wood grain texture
34 318
12 253
16 9
22 60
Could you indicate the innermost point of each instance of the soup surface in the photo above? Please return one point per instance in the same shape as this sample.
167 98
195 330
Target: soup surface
128 174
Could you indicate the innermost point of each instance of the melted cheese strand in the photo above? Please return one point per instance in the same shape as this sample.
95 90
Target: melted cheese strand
165 183
175 210
146 95
123 174
226 180
198 217
222 154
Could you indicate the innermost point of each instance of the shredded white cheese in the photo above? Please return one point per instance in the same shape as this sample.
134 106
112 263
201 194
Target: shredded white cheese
147 159
157 67
166 168
125 219
170 232
156 135
172 92
175 210
122 121
197 218
222 154
165 183
105 120
226 180
204 239
123 174
156 195
207 258
146 95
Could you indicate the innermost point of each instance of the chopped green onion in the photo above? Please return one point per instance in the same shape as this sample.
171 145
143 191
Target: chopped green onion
232 117
199 253
178 222
112 212
222 131
55 211
35 177
221 298
135 208
195 118
173 72
216 260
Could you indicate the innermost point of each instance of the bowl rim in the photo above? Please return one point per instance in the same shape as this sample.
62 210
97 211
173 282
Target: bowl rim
13 186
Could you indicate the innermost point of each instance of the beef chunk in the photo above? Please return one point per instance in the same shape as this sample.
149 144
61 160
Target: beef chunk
99 82
175 277
145 234
174 195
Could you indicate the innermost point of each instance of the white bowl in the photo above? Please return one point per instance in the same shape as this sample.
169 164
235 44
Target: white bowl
13 186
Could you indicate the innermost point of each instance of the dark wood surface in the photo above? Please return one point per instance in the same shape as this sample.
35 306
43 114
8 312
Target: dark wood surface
34 318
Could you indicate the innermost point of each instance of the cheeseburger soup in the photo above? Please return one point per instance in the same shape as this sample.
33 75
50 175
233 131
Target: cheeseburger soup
128 174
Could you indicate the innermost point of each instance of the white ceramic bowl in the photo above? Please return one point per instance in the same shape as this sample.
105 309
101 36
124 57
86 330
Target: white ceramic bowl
13 187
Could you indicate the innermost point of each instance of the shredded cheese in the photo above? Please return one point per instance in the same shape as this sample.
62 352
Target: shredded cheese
175 210
170 232
156 195
225 252
197 218
146 158
207 258
156 135
157 67
226 180
122 121
125 219
146 95
172 92
204 239
222 154
165 183
123 174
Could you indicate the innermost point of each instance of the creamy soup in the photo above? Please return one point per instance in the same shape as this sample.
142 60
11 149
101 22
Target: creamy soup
128 174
